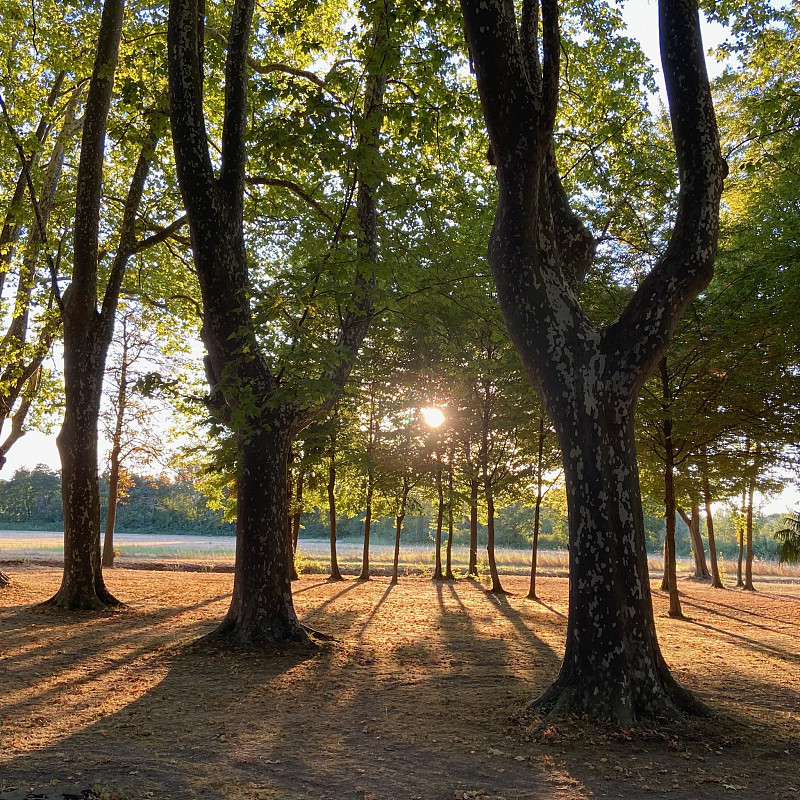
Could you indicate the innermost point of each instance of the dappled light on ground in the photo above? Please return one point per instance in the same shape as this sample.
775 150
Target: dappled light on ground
421 695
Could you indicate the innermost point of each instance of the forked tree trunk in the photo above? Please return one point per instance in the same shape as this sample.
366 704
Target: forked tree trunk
587 376
261 610
437 570
698 553
716 580
474 488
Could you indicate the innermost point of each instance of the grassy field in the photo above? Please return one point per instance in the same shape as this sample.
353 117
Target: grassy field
217 553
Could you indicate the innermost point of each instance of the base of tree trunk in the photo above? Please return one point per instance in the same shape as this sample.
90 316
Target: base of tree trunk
666 699
335 578
236 632
532 596
69 599
498 590
4 580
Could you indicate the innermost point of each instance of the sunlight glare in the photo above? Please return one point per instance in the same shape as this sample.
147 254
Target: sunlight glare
433 417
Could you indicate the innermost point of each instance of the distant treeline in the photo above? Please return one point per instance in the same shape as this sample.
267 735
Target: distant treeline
31 500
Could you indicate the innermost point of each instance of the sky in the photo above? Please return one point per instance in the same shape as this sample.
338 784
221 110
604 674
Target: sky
641 17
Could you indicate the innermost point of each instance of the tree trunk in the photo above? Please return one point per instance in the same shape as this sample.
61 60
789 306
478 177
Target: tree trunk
335 574
698 552
716 580
364 574
298 510
261 610
613 667
82 585
496 587
748 564
588 376
87 335
537 509
437 572
116 449
474 487
741 526
670 568
398 526
4 580
448 575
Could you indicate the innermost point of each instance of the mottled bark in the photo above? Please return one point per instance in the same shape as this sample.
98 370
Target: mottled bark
587 376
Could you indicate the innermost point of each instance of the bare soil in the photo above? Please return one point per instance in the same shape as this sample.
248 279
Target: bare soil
421 696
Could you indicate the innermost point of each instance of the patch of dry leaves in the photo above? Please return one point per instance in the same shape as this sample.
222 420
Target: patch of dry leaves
422 695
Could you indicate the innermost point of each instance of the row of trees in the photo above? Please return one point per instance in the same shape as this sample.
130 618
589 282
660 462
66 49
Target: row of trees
327 192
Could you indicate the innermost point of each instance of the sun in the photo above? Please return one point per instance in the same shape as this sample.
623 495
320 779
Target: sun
432 416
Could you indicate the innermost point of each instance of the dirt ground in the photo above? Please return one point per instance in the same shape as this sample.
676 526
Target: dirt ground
421 697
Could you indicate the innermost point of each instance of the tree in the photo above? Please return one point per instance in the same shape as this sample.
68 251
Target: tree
589 376
88 331
260 400
789 537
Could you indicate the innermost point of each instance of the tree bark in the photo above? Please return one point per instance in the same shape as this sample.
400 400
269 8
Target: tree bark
298 510
398 527
741 527
589 377
474 488
4 580
335 575
751 487
364 574
437 571
670 565
114 460
448 575
537 509
261 610
87 335
716 580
